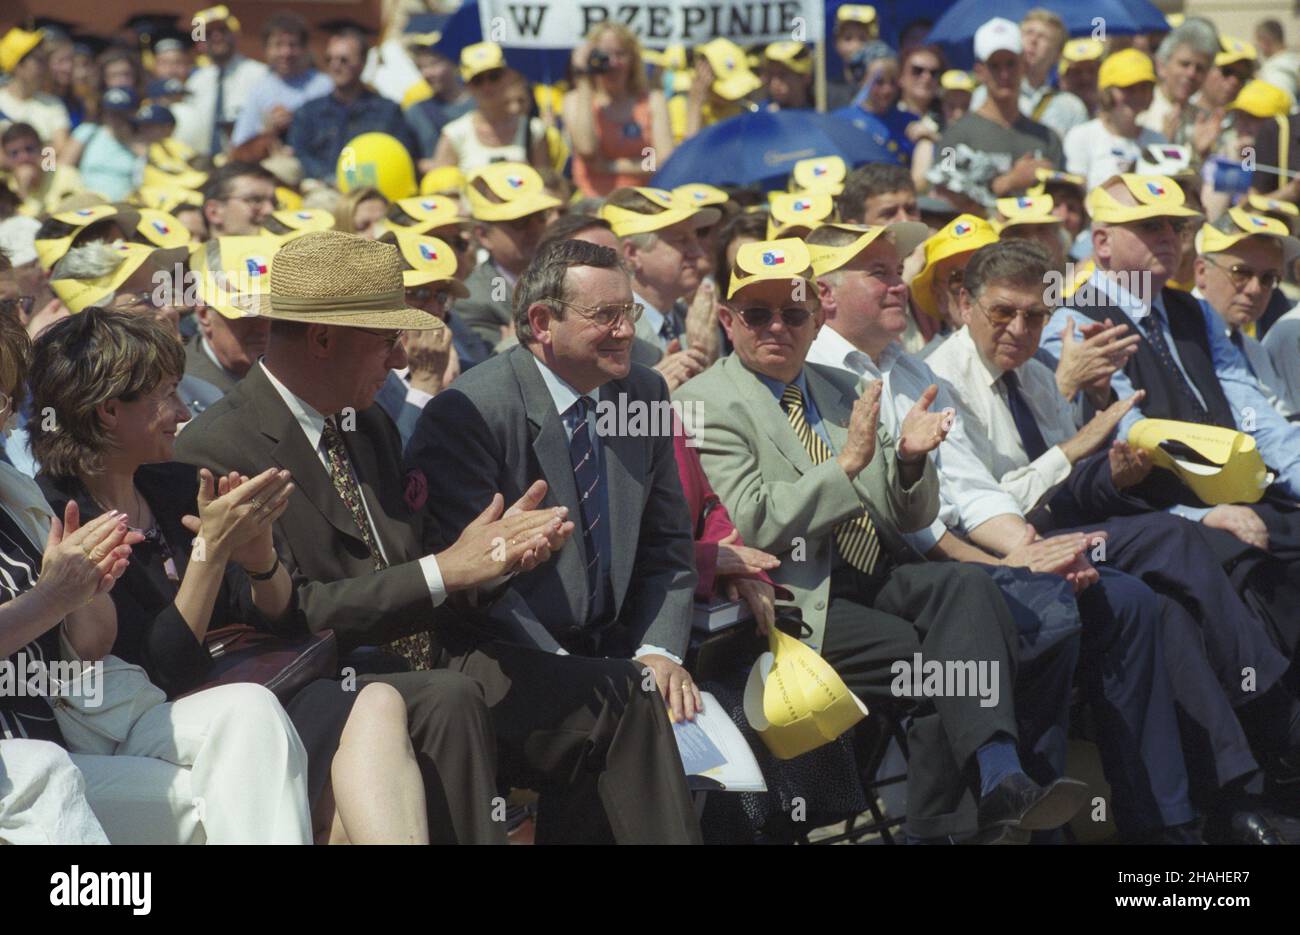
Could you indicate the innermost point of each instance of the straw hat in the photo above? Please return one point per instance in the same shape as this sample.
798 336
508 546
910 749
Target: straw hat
333 278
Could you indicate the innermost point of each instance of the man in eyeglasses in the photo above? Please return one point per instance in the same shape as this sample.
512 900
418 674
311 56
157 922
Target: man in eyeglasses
237 198
560 407
795 454
509 205
660 238
1238 266
1137 222
1022 467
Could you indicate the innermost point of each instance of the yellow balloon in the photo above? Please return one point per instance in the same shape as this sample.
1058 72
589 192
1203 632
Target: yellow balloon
379 161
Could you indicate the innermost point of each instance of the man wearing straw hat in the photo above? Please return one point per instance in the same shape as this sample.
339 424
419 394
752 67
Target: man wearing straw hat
352 535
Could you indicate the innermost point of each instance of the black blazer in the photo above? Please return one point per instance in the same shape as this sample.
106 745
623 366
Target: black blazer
252 429
150 630
496 430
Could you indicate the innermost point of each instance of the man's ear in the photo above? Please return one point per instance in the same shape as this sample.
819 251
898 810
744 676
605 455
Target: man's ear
1198 270
212 212
630 254
540 316
826 298
727 319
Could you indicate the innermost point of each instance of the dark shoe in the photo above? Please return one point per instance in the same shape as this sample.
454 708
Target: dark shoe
1020 803
1241 826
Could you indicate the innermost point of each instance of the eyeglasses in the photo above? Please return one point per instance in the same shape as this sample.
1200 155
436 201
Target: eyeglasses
607 317
133 300
20 306
391 338
1157 225
919 70
1240 274
760 316
1003 315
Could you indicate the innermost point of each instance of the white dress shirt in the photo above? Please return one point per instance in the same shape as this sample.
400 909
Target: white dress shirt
194 119
312 424
990 474
564 396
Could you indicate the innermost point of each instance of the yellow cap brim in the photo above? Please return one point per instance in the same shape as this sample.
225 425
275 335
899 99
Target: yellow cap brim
627 223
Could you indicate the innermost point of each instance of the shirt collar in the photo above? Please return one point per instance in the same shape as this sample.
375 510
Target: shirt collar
652 316
311 421
505 274
992 371
777 388
562 394
211 355
833 348
1114 291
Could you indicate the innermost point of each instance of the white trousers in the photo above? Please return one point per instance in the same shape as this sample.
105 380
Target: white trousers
43 797
223 766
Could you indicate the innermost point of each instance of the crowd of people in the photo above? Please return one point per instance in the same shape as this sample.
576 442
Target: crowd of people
962 405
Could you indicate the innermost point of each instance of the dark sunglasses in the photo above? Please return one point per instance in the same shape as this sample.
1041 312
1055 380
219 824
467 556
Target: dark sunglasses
760 316
918 70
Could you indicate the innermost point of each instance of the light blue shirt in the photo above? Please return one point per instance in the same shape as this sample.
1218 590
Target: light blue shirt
271 90
810 413
1277 439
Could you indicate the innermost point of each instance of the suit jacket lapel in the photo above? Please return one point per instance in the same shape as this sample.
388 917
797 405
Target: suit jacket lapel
834 406
550 445
291 451
395 534
767 413
623 456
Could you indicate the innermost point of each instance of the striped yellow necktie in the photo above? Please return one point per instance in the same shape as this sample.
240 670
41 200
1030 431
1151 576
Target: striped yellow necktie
855 537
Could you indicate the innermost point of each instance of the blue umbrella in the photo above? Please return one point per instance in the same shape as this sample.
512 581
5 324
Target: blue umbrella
955 30
761 148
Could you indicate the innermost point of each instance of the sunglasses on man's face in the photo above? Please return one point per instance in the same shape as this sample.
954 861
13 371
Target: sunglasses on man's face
919 70
760 316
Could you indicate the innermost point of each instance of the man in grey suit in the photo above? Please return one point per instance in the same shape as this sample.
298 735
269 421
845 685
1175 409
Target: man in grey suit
800 462
510 208
624 585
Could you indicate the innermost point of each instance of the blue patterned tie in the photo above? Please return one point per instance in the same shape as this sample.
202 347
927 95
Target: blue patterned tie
586 473
1026 424
1155 335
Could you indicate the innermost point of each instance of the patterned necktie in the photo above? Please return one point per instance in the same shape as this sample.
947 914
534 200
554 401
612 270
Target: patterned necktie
668 330
1156 338
1023 416
856 537
417 648
586 473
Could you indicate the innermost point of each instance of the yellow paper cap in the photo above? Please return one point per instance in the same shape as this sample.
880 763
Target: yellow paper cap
796 701
1156 195
793 55
80 294
1236 472
797 209
233 271
480 57
1234 50
1261 99
506 191
787 258
732 77
965 233
906 235
1238 224
626 222
429 260
822 174
1026 209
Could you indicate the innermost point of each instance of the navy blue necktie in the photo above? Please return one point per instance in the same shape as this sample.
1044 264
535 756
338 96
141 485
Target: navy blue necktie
668 330
1155 336
586 473
1026 424
1239 341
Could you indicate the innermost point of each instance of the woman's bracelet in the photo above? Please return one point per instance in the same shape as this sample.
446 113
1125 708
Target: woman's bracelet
266 575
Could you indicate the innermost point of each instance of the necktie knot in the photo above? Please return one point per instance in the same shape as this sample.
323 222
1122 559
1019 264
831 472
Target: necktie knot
792 397
1011 380
581 406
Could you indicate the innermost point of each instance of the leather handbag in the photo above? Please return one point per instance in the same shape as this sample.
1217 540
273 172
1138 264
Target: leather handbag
285 666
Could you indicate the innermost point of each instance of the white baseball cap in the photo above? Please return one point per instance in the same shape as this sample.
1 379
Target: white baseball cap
997 35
